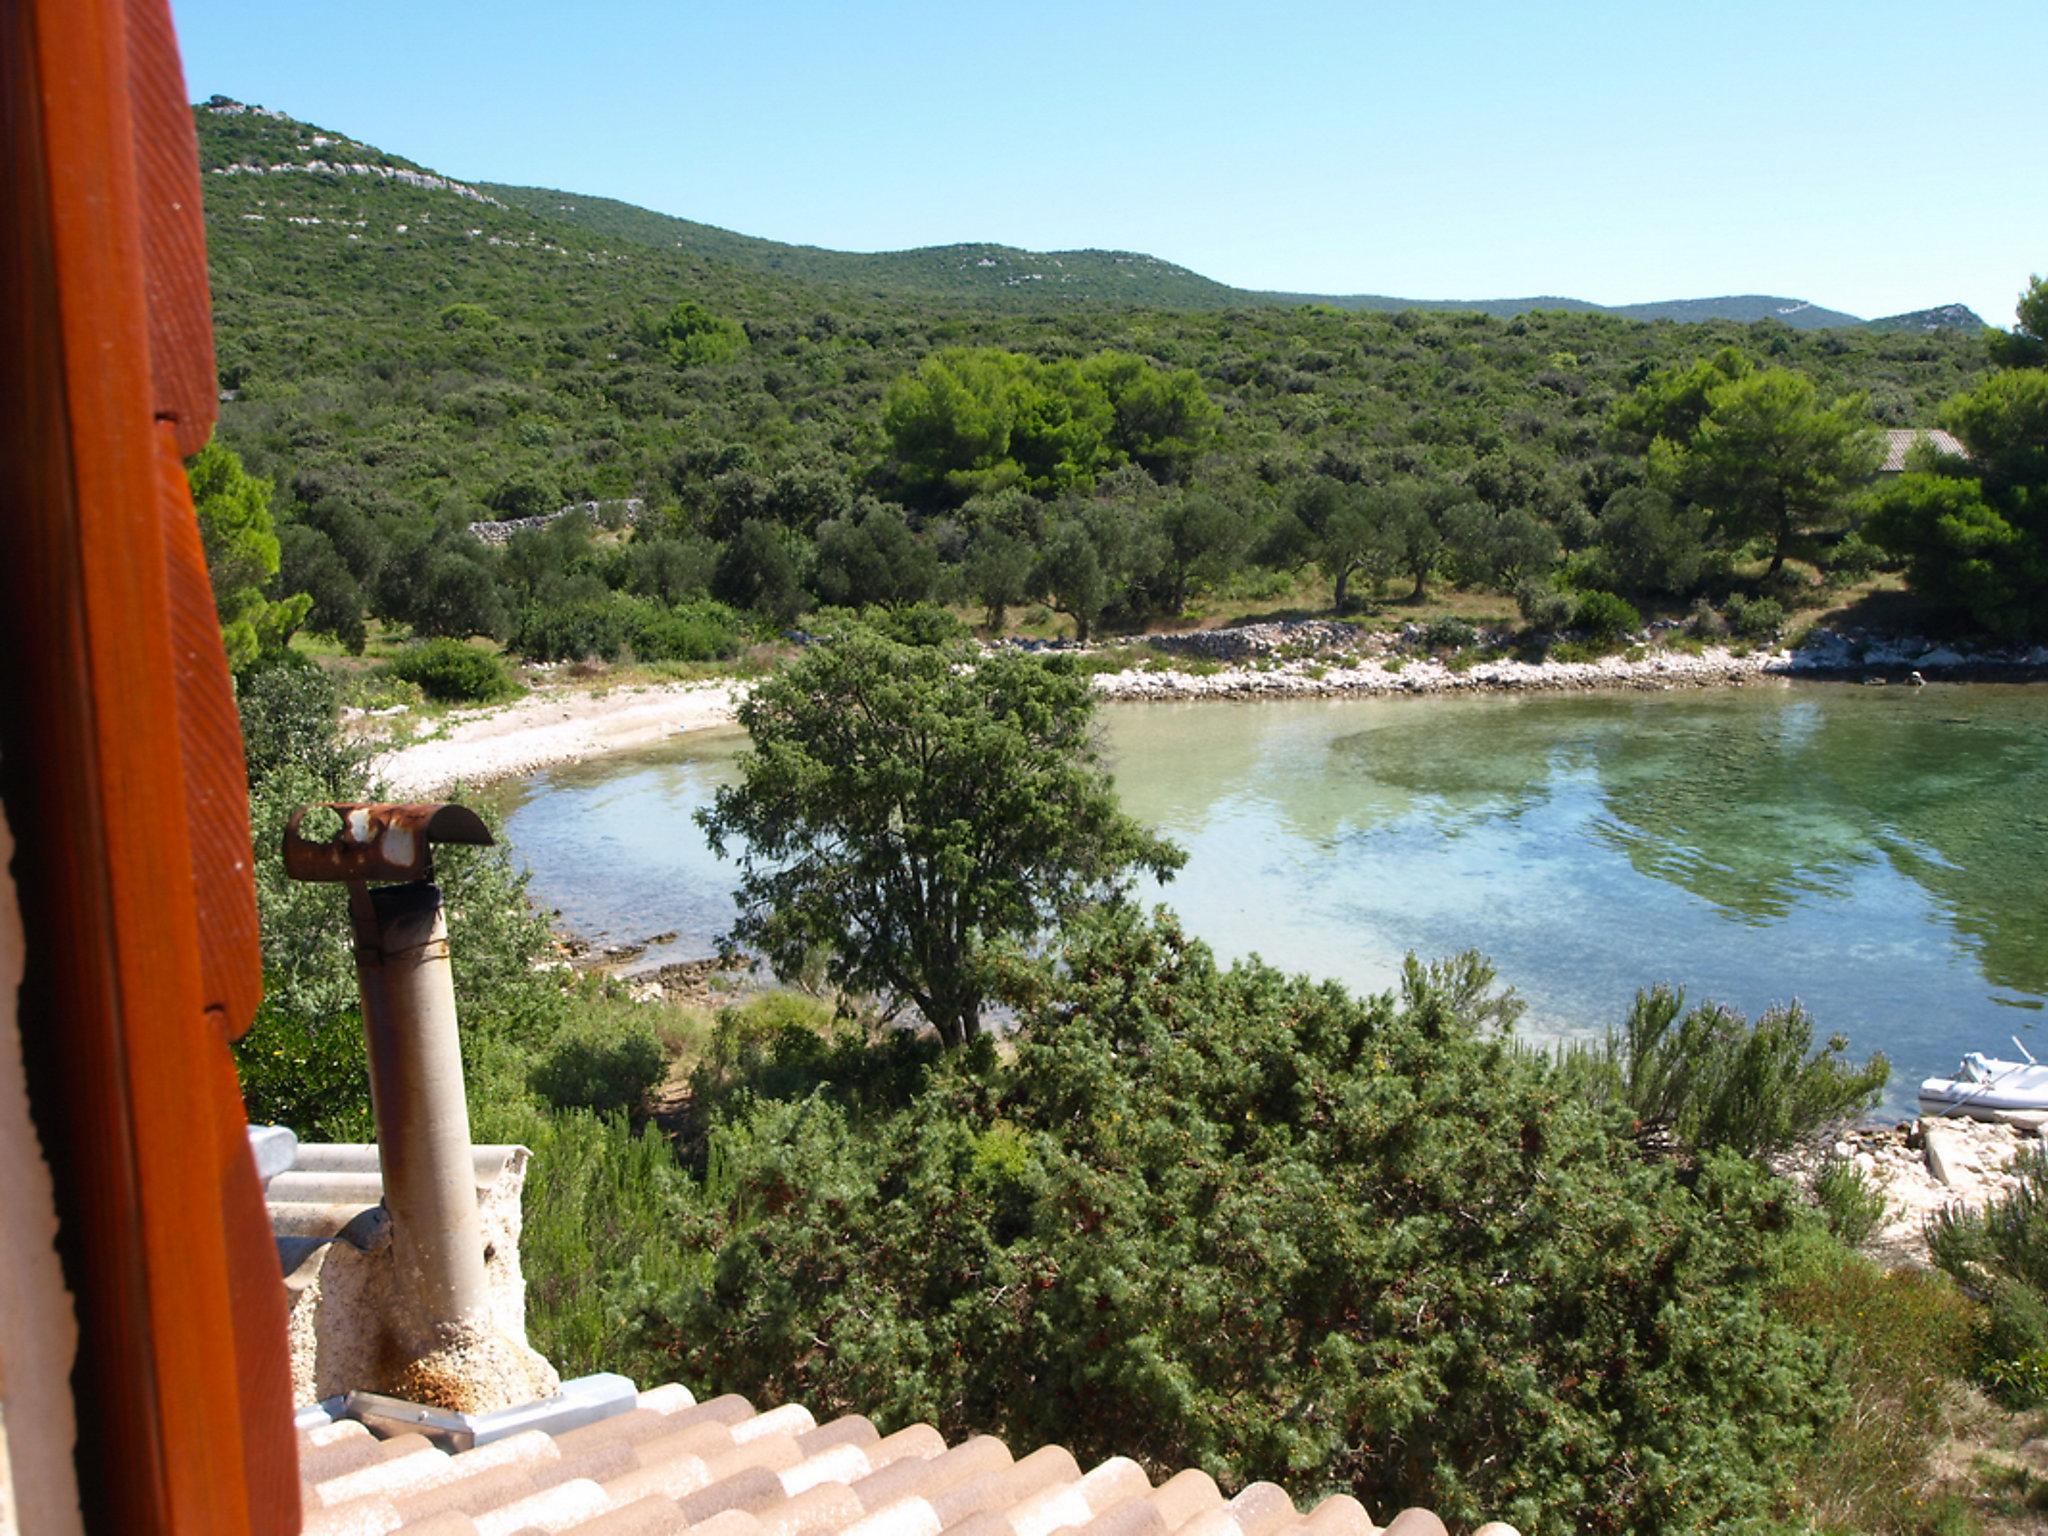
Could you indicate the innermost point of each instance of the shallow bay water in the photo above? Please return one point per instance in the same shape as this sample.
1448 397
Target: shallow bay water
1875 852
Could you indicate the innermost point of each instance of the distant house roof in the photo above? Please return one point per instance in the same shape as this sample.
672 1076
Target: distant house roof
1899 441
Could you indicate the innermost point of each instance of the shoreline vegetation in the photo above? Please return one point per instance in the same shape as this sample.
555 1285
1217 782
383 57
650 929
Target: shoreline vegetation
568 721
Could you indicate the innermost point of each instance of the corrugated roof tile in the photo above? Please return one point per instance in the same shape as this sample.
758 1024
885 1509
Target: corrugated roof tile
671 1464
560 1508
821 1511
1184 1496
389 1476
854 1429
1339 1515
669 1398
642 1517
790 1419
1138 1517
926 1475
734 1522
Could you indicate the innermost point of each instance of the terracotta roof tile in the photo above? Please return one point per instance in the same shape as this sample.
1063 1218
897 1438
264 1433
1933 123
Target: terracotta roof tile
733 1522
851 1430
560 1508
821 1511
670 1464
442 1525
642 1517
1338 1515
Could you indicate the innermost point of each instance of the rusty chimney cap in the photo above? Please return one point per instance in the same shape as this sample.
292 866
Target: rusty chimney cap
380 841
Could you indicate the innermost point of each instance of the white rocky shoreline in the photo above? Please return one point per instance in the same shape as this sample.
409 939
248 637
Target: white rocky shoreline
1305 658
1921 1167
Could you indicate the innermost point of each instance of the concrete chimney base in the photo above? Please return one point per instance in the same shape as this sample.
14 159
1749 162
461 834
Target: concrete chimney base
348 1323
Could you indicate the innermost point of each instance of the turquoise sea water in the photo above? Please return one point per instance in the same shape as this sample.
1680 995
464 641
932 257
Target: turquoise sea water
1874 852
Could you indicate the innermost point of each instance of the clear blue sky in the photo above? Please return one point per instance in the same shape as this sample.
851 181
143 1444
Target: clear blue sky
1873 156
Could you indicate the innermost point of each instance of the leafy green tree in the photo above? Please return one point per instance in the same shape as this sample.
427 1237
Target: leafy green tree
1488 546
693 337
670 569
242 555
308 562
1164 418
2026 345
911 819
1974 534
1410 515
1344 533
949 423
999 575
1070 576
873 559
758 569
1651 543
1200 538
973 420
452 594
1770 460
1672 402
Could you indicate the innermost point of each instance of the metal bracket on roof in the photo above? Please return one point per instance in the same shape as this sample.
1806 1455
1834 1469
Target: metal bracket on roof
379 841
585 1400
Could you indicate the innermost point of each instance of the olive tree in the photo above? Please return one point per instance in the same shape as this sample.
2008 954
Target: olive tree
906 816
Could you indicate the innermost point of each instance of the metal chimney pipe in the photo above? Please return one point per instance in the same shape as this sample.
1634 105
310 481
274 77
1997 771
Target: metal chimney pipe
416 1089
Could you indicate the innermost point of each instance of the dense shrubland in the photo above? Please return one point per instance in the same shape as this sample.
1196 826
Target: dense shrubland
798 445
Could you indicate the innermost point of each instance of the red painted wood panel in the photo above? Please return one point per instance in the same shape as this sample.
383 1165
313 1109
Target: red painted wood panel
122 773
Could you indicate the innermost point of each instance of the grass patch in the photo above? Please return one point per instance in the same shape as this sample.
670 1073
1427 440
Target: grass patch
1897 1341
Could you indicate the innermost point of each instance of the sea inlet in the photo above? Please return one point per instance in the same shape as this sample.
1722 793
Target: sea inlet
1876 853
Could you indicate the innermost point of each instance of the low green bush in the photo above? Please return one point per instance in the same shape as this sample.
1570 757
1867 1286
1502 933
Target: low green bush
1852 559
291 716
702 631
1605 618
2000 1255
454 672
1849 1202
582 629
1716 1080
605 1059
604 1214
1755 618
1896 1341
2013 1345
1544 608
1448 634
609 627
918 624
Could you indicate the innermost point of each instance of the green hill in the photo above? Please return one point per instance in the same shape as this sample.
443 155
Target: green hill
404 353
1013 278
1943 317
1000 274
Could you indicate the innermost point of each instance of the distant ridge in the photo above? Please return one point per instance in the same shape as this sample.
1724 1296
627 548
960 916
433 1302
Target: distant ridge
1943 317
1005 273
245 136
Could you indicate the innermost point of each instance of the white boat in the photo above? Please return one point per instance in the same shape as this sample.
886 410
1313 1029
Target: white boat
1987 1088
